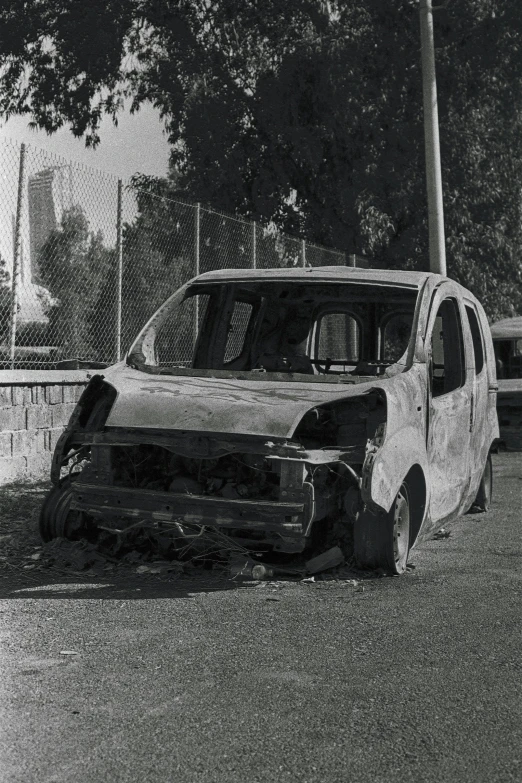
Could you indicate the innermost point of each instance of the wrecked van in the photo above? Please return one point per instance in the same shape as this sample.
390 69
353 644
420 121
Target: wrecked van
507 344
275 405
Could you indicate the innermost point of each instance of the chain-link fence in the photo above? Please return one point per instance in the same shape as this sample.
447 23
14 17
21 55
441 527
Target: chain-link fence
85 259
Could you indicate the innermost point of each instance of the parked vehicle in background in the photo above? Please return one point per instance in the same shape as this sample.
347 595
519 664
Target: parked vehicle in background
276 405
507 342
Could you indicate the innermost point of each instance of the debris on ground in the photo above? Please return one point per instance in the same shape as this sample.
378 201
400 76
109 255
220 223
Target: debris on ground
249 568
146 551
441 534
332 558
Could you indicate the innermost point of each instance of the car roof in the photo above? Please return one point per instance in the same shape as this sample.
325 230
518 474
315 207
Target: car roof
325 273
507 328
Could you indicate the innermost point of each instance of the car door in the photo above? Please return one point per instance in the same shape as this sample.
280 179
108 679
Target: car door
449 406
480 435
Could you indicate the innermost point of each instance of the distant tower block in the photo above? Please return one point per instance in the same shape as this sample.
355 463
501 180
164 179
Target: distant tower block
49 196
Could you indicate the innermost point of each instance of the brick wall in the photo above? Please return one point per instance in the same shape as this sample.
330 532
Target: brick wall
35 406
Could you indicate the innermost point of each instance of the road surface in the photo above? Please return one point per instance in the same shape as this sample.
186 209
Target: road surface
416 678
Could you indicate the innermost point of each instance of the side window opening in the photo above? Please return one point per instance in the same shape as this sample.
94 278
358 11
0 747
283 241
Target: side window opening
447 350
476 336
176 338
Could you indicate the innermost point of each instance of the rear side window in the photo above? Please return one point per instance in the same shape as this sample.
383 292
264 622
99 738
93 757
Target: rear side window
476 336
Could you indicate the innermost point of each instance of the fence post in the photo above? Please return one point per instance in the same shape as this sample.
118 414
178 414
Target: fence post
303 252
16 258
254 246
119 271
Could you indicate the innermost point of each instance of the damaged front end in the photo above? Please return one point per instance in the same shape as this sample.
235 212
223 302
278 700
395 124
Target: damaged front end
266 494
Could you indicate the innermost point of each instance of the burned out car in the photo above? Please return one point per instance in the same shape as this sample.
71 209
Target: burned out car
274 405
507 344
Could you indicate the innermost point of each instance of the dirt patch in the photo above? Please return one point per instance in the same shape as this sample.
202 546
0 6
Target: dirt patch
20 505
23 554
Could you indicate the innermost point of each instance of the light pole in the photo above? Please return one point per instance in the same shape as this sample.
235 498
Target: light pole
437 246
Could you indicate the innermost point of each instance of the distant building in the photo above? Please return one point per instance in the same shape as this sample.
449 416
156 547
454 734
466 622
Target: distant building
49 196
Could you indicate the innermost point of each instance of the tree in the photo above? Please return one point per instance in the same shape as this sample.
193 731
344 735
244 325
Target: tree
158 255
73 264
307 113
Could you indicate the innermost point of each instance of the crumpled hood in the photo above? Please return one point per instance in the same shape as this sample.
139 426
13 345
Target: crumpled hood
206 404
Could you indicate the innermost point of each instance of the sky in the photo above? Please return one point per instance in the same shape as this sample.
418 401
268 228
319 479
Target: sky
138 144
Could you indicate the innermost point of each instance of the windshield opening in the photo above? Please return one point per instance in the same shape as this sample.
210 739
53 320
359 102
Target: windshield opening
280 326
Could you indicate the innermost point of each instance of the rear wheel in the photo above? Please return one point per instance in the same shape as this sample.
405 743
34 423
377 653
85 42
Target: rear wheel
382 539
57 520
485 491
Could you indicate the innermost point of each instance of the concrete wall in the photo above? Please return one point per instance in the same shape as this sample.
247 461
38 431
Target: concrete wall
35 406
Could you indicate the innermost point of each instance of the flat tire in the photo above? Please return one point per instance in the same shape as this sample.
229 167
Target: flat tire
382 539
57 520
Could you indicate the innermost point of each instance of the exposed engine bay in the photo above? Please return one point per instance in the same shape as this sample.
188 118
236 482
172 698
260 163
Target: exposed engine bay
267 495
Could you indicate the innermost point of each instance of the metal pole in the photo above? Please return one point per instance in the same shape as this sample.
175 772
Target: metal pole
16 258
119 270
350 324
303 252
431 140
254 245
196 263
197 234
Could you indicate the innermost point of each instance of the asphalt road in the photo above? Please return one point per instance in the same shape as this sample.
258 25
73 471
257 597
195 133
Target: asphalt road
416 678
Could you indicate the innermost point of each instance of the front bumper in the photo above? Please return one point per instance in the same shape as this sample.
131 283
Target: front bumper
285 525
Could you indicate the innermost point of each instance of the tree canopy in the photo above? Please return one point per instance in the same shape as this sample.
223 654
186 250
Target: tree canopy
307 113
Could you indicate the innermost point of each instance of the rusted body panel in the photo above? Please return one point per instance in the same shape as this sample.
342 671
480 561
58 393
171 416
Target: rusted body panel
268 454
335 274
207 404
390 460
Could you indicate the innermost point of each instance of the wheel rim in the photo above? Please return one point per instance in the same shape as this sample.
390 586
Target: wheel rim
69 523
401 529
56 518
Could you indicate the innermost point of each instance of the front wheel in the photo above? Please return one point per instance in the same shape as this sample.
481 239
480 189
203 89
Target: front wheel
58 520
382 539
